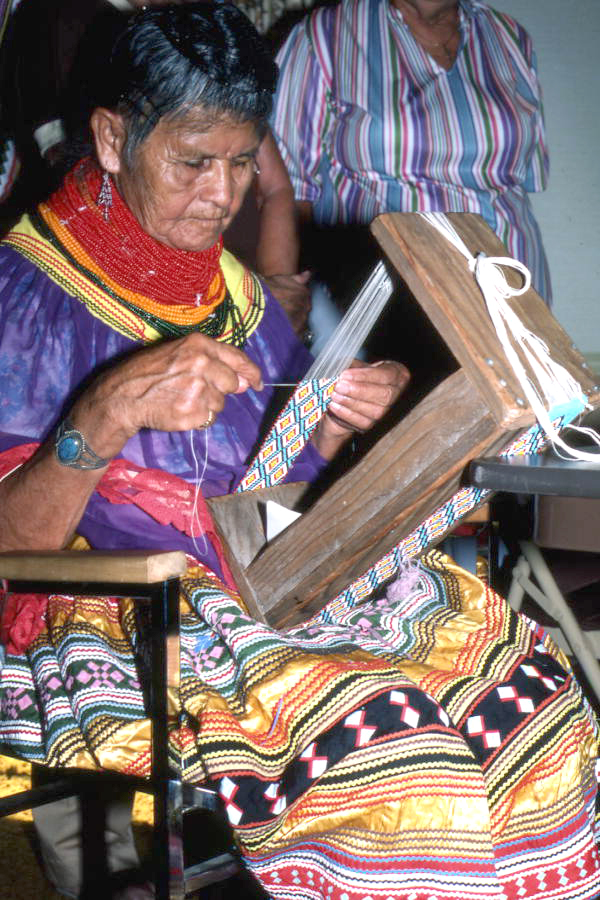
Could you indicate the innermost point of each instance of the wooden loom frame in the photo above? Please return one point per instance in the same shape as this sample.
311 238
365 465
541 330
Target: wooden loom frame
418 464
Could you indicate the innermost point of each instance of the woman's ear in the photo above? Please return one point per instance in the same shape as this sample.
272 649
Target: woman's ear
109 133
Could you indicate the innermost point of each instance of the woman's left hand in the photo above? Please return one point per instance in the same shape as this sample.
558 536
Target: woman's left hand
362 396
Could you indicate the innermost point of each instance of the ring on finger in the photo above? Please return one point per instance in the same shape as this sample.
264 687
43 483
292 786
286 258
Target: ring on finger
209 421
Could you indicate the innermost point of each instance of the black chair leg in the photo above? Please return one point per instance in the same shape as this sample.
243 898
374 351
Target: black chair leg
94 851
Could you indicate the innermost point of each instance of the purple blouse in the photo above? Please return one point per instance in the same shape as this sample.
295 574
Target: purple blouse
50 344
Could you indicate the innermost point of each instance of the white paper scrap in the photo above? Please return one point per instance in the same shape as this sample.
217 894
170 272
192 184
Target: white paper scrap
278 518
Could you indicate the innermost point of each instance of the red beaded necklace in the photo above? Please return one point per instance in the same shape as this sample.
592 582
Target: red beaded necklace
127 253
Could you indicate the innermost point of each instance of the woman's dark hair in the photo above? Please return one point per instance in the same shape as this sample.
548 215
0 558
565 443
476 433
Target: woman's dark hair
168 59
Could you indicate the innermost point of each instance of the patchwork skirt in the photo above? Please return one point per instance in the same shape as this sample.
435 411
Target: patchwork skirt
427 743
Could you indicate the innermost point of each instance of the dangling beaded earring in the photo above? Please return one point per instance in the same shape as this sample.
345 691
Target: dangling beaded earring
105 198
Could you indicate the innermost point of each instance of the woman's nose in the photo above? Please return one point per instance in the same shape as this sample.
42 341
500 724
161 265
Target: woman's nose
219 186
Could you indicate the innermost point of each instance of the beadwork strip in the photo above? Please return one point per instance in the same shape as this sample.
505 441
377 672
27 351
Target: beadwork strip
289 435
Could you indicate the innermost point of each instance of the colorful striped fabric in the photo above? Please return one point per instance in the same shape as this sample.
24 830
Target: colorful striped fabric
368 122
431 743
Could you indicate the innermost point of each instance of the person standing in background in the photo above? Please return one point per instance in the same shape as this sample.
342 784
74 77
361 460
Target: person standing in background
412 106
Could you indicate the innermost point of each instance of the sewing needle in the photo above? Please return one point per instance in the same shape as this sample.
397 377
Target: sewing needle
279 384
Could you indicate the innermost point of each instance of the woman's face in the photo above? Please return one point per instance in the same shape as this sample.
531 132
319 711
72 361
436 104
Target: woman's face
189 178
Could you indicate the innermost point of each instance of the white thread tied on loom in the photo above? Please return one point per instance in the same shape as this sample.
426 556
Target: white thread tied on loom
557 385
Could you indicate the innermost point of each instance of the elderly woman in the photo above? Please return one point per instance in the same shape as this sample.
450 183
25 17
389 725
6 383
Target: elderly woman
432 743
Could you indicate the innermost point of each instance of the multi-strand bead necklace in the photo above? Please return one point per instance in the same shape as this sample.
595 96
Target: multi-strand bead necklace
175 291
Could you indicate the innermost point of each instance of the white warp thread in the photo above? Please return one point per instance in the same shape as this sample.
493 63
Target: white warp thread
198 478
347 339
556 385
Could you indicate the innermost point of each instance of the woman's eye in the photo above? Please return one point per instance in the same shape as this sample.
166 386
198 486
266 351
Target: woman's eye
240 165
198 164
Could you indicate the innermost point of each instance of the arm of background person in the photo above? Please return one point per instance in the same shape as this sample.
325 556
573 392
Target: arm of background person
278 247
299 118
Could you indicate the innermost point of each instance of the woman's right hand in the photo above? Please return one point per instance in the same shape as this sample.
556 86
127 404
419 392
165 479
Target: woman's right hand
172 386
